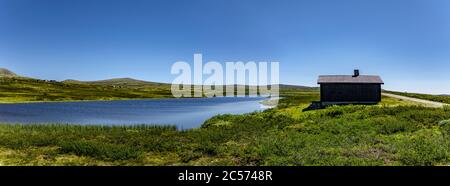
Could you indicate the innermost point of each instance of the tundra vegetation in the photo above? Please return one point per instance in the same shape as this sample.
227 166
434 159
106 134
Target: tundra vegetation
21 89
394 132
436 98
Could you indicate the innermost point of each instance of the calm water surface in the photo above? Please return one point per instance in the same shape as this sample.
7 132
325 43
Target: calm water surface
184 113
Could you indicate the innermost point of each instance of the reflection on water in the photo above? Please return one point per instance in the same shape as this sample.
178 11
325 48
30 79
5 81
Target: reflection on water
184 113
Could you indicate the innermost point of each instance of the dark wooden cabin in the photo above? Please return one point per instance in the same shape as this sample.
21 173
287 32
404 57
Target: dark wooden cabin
350 89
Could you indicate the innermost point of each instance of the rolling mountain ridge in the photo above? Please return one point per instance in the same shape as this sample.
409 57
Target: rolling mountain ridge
7 73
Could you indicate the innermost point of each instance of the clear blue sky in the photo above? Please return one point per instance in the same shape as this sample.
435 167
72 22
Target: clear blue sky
407 42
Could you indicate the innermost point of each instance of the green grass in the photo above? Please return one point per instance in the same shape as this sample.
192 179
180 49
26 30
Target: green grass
17 89
393 132
437 98
21 89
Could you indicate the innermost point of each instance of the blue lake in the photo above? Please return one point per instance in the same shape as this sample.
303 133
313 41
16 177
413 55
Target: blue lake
184 113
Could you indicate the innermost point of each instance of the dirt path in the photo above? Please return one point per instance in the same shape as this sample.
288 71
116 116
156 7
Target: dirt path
422 101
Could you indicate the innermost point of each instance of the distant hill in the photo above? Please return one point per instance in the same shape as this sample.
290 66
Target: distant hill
7 73
131 83
121 82
15 88
284 86
135 83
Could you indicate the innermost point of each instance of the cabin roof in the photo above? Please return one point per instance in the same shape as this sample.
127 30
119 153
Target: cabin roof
361 79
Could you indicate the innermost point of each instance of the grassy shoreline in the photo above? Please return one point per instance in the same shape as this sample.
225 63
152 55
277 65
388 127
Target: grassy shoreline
27 90
74 101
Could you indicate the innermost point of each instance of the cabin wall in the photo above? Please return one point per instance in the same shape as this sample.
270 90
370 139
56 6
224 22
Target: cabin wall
363 93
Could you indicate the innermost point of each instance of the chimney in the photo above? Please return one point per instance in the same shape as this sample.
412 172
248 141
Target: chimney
356 73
